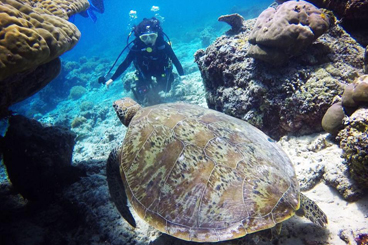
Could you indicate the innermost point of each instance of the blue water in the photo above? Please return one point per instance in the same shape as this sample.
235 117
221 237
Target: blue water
103 40
108 34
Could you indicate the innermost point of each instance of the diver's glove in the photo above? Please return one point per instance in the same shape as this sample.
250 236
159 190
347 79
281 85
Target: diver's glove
102 80
108 83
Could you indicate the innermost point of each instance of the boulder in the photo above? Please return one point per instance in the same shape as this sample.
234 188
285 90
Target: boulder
38 158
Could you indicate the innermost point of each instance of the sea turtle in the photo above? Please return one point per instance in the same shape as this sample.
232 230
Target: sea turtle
200 175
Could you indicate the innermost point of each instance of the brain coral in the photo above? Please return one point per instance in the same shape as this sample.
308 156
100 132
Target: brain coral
61 8
283 32
35 32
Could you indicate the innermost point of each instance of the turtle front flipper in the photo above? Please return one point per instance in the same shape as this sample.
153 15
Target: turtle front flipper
116 186
311 211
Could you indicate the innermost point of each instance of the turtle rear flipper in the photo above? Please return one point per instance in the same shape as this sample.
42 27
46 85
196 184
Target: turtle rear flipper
116 187
310 210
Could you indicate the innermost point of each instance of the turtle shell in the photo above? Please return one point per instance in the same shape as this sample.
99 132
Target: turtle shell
200 175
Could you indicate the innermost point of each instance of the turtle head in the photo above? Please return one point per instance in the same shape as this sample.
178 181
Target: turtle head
126 108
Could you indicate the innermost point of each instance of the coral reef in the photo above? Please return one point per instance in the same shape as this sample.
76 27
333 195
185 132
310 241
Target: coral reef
77 92
361 239
354 143
69 66
86 106
354 12
33 32
78 121
86 71
355 95
83 212
366 60
235 21
61 8
283 32
34 35
348 121
351 14
290 99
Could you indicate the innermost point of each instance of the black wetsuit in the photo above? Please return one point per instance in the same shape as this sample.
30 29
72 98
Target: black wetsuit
151 64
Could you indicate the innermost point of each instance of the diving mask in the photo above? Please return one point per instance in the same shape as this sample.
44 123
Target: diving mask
149 38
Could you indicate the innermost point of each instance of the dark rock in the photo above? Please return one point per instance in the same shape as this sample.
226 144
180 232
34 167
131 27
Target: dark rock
38 158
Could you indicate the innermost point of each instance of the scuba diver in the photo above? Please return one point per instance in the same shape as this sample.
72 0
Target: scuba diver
152 57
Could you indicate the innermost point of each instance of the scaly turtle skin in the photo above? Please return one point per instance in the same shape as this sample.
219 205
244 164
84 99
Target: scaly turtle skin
200 175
